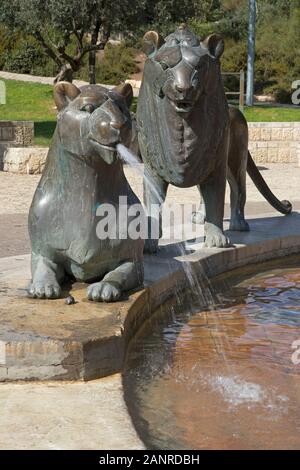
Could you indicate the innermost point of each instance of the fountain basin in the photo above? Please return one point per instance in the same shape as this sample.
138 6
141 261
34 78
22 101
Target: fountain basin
48 340
224 376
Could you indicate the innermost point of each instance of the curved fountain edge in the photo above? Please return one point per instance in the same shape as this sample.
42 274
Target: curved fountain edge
102 349
212 262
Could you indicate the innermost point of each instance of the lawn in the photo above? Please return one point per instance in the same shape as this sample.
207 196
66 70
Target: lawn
267 113
30 102
34 102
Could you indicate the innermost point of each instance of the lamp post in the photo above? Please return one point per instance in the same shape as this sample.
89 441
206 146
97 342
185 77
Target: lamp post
251 53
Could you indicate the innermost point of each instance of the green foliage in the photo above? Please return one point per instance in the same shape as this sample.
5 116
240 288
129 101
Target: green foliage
6 43
21 53
55 24
118 63
28 57
277 62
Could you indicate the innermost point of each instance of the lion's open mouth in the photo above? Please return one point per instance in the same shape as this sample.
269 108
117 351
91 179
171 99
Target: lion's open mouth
111 147
183 106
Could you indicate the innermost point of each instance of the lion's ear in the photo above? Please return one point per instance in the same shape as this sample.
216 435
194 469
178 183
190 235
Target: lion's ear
152 41
125 90
215 45
63 93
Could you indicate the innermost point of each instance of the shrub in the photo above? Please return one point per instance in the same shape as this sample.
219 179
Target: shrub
8 41
21 54
116 66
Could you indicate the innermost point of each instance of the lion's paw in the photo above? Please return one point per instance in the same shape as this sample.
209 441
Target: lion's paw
44 290
215 238
103 292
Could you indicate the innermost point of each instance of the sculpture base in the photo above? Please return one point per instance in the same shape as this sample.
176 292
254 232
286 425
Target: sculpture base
47 339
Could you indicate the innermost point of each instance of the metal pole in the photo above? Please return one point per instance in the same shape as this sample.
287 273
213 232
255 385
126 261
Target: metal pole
251 53
242 90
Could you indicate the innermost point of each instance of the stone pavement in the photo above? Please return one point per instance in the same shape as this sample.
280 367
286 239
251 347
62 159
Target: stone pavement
51 416
16 192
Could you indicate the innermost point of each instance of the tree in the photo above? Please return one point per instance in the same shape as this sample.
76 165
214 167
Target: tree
69 30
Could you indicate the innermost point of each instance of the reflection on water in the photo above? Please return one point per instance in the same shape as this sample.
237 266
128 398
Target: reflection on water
224 378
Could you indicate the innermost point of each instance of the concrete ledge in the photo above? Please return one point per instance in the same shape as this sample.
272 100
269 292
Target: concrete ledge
25 160
48 340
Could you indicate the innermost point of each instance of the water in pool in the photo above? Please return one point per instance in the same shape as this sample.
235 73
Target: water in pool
227 377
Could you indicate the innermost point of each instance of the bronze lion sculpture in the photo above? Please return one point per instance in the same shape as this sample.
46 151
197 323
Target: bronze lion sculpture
188 135
82 173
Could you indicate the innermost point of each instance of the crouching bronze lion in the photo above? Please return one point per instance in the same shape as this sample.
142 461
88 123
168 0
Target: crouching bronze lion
83 172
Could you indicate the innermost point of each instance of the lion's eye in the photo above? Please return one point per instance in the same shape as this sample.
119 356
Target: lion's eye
88 108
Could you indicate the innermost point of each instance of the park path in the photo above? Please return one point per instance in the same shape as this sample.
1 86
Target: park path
35 79
50 80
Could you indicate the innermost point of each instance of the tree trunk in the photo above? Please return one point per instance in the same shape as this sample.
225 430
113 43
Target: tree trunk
65 74
92 67
92 54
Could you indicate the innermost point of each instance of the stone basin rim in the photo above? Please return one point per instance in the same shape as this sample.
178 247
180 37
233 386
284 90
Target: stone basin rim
104 355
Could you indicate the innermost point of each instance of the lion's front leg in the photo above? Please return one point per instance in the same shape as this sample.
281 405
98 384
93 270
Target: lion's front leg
213 192
199 216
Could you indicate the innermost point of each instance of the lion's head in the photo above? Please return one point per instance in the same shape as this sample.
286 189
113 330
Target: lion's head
93 120
181 65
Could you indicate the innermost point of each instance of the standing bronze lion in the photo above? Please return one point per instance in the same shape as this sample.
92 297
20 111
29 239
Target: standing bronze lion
188 136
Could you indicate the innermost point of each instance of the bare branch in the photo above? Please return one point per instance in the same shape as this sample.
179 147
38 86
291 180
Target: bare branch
38 36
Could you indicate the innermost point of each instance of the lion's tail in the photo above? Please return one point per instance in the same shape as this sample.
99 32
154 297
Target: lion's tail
285 207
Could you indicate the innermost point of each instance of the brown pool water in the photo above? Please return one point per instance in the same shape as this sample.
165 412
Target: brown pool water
222 378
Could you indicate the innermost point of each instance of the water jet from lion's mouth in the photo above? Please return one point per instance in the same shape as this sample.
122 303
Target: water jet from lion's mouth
127 155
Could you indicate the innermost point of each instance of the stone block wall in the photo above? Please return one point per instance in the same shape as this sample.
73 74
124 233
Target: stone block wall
269 142
275 142
15 134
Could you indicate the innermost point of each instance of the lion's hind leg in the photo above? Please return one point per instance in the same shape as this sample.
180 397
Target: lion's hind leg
236 175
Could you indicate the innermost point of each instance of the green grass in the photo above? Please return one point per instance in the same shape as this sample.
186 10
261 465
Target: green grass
34 102
31 102
267 113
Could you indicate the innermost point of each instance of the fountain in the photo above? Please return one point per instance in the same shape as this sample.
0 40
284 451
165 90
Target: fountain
224 379
208 355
